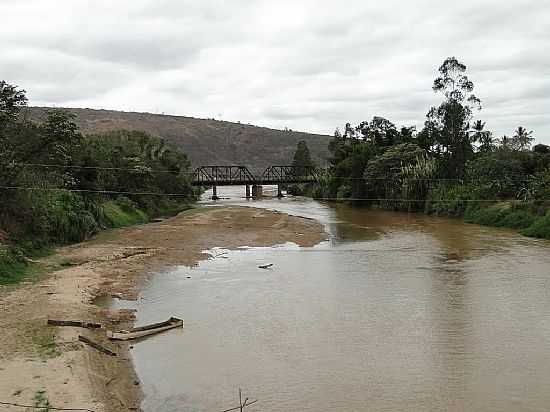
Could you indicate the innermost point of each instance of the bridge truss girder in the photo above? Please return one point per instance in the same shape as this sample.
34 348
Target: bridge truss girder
241 176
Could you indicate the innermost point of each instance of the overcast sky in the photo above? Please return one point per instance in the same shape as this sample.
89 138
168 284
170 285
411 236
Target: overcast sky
308 65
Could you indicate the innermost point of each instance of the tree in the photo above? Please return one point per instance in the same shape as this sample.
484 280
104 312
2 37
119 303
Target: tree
60 137
11 101
407 134
383 132
541 149
522 139
448 124
349 132
482 136
505 142
302 158
379 131
386 174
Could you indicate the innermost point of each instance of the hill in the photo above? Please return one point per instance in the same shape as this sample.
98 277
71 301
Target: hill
205 141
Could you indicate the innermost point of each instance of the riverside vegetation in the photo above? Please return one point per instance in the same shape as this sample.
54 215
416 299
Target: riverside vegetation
452 167
58 186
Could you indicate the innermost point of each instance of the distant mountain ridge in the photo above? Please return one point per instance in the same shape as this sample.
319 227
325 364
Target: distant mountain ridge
205 141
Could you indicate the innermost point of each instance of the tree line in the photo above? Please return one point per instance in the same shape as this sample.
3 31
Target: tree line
453 166
59 186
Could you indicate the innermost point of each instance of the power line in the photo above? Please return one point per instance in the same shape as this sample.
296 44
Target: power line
351 199
106 192
43 408
117 192
60 166
126 169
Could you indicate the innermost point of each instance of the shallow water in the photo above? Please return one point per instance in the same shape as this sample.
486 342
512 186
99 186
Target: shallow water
396 312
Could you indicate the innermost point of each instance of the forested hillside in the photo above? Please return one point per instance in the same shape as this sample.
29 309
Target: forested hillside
206 142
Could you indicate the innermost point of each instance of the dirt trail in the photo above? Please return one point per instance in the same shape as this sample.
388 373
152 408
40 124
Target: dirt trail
36 357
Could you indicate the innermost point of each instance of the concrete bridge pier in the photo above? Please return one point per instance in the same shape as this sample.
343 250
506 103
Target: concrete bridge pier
279 192
248 194
257 191
215 193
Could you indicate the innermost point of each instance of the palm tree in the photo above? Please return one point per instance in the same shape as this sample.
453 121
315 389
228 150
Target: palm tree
506 142
482 136
522 139
477 129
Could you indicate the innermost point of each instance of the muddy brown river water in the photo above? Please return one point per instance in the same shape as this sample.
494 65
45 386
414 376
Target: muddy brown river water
396 312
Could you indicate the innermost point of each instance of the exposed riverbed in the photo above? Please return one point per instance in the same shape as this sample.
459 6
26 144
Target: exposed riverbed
394 312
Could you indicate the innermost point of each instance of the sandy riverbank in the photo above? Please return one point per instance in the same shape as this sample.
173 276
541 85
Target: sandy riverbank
36 357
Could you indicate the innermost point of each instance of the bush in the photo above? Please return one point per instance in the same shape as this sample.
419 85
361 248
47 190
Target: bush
501 215
344 192
12 265
451 201
122 214
540 228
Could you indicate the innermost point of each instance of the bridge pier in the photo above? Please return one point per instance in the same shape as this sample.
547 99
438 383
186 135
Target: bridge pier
257 191
279 192
215 193
248 194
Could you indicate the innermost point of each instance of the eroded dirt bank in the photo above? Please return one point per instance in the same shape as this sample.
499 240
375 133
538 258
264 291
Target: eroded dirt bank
35 357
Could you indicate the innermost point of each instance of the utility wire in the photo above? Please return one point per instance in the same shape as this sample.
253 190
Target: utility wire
106 192
336 199
43 408
60 166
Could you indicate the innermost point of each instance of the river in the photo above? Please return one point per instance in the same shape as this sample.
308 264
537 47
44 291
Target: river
396 312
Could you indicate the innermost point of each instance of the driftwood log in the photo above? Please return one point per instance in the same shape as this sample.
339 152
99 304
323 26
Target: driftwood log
96 346
74 323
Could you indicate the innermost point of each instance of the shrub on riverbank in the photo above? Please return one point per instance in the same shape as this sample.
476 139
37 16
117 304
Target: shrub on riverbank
540 228
505 214
12 265
123 212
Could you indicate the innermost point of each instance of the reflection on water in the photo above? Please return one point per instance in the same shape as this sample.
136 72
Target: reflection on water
397 312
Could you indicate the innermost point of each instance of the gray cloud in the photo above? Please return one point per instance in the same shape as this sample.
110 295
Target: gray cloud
310 65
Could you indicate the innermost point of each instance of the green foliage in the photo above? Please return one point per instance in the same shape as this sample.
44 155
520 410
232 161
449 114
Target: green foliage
41 402
89 183
302 157
395 173
538 187
520 216
540 228
449 123
123 212
12 100
452 167
503 214
13 266
450 200
498 174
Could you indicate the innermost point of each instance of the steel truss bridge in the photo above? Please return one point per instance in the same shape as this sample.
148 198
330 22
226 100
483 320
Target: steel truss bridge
213 176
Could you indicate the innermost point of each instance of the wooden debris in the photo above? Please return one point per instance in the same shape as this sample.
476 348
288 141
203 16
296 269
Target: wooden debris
74 323
96 346
147 330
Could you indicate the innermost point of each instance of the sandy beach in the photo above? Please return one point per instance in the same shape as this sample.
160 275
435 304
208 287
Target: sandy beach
35 357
